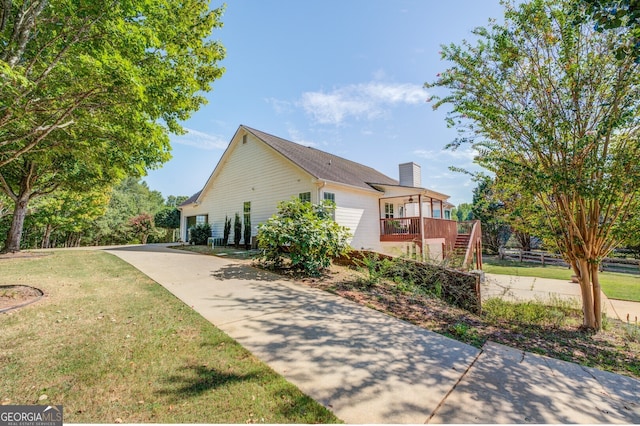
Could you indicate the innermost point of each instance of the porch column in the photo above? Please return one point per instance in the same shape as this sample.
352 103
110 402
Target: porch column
421 227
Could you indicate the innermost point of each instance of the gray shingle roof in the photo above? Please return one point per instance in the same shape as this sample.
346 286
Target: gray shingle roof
319 164
323 165
191 199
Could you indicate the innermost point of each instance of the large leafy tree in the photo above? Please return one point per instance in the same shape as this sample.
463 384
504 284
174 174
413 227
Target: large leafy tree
76 67
616 14
62 220
91 89
129 199
552 108
488 208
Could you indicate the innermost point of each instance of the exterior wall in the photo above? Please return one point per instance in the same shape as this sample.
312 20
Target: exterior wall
357 210
249 171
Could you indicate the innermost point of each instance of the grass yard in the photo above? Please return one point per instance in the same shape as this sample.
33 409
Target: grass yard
112 346
614 284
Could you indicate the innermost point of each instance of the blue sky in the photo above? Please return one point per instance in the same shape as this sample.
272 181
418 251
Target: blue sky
343 76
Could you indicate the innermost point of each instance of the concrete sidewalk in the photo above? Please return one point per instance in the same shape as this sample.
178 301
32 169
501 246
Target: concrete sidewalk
368 367
518 288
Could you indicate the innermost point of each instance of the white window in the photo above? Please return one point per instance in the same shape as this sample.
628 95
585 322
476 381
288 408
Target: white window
329 196
388 211
305 197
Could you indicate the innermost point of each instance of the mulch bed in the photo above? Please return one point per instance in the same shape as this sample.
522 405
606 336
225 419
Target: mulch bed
14 296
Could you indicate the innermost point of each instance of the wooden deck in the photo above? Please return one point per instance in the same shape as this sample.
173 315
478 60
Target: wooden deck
408 229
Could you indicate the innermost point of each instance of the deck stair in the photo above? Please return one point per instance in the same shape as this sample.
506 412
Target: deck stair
462 242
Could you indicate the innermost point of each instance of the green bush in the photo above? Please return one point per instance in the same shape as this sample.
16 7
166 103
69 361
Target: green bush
200 234
237 230
303 233
227 230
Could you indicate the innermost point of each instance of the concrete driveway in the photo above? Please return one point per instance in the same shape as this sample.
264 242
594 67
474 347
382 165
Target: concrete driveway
368 367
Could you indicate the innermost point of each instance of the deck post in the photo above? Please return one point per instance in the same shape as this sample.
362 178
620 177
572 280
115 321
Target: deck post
422 254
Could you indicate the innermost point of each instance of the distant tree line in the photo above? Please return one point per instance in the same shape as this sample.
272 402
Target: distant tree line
127 213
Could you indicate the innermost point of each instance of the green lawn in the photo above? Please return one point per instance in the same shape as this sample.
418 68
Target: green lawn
614 284
111 346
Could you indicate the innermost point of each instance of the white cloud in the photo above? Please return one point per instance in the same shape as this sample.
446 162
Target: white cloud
281 107
361 101
460 154
201 140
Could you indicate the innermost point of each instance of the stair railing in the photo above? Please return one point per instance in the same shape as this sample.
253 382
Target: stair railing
475 245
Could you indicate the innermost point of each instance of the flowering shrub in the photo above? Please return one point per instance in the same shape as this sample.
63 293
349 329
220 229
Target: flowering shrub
142 226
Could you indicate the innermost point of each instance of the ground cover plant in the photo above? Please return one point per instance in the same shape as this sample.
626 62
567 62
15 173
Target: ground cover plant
111 346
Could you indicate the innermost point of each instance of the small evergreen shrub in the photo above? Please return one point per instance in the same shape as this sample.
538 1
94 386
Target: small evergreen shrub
237 230
200 234
227 230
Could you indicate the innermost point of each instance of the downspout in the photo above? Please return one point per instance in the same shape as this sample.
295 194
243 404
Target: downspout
320 186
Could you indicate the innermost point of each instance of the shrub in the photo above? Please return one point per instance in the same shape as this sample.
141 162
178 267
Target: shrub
247 232
200 234
305 234
237 230
142 226
227 230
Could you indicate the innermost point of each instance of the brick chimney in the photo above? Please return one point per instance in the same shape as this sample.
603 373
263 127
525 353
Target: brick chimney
410 175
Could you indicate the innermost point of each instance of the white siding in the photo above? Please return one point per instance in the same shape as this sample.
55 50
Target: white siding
358 210
254 172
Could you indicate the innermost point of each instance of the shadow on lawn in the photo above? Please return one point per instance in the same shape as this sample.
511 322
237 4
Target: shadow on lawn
198 379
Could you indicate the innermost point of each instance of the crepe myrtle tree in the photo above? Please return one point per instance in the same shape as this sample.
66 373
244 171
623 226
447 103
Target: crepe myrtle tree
551 108
303 233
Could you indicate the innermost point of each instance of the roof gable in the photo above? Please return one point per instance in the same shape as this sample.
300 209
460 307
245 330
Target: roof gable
322 165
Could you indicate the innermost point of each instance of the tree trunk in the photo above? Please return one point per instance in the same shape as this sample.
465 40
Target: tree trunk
590 317
47 236
597 295
14 235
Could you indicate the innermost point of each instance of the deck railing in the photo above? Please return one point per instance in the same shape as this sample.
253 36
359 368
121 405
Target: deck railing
408 228
399 229
474 249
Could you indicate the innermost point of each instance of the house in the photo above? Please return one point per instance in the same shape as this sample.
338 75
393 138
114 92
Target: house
258 170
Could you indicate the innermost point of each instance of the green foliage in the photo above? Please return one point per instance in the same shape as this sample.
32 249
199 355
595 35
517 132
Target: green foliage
490 210
303 233
462 212
237 230
168 218
552 109
247 231
554 314
103 73
199 234
227 230
129 198
377 268
95 89
621 16
142 226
